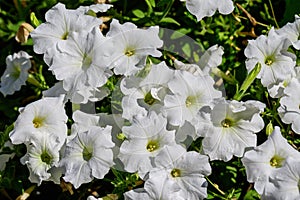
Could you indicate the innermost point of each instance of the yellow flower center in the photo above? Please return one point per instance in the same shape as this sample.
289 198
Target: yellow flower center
269 61
129 52
37 122
276 161
190 100
175 173
152 146
226 123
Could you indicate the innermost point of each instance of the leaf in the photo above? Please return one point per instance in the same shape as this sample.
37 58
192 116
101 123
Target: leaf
169 20
180 33
138 13
34 20
152 2
187 50
292 8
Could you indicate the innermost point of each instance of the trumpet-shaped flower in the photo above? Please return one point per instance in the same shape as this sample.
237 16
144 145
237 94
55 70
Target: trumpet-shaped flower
284 183
99 7
185 169
266 159
81 63
42 157
145 94
289 110
156 188
189 94
271 52
229 128
60 22
87 93
16 73
132 46
206 8
45 116
89 154
292 32
145 138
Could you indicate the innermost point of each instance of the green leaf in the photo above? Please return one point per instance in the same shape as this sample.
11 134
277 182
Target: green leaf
187 50
169 20
251 195
180 33
138 13
292 7
34 20
152 2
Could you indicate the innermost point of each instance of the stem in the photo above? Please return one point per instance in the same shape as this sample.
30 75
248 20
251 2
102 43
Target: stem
166 11
215 186
150 10
247 82
32 80
272 10
216 71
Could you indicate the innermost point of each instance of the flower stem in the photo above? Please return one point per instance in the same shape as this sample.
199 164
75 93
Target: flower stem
247 82
215 186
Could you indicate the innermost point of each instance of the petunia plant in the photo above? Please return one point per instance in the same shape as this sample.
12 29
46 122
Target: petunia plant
154 99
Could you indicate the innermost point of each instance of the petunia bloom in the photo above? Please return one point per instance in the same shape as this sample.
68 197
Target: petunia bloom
42 156
277 64
189 93
289 110
206 8
292 32
89 154
60 22
131 46
229 128
16 73
45 116
145 138
267 158
184 169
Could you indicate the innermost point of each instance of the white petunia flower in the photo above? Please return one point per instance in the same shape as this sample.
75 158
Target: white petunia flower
145 138
81 63
60 22
16 72
42 157
267 159
83 121
89 154
186 169
292 32
131 46
99 7
156 188
189 94
271 52
289 110
145 94
229 128
206 8
210 59
284 183
77 96
45 116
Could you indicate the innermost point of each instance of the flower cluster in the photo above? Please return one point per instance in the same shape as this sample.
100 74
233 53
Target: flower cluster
164 108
